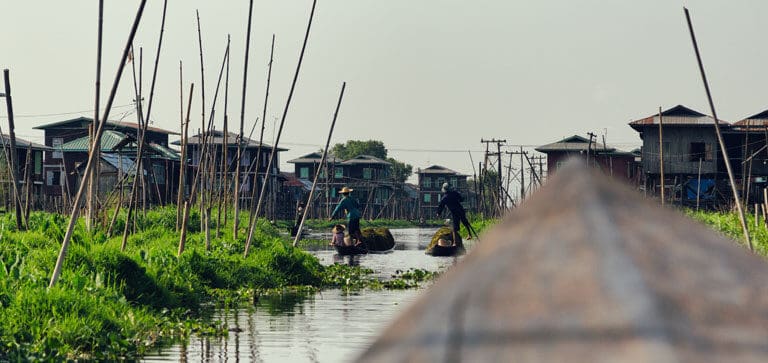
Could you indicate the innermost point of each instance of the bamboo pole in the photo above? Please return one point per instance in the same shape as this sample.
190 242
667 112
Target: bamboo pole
736 198
317 171
14 161
92 180
698 187
27 186
223 180
280 130
236 221
661 156
97 141
263 122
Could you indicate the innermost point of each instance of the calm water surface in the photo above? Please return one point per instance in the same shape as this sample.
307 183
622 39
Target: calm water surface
331 326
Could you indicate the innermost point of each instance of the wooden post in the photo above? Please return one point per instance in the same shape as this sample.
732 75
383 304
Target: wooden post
263 126
27 186
89 166
236 221
720 139
93 178
282 123
317 171
698 187
661 155
14 161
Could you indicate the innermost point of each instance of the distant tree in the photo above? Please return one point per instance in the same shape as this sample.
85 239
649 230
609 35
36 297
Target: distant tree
353 148
400 171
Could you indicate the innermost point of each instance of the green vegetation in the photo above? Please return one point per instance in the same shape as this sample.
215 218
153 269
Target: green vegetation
400 171
378 239
728 224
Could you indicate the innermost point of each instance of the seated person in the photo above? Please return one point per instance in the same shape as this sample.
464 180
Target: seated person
338 236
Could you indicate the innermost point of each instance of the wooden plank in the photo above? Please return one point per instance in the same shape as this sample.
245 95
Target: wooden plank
587 270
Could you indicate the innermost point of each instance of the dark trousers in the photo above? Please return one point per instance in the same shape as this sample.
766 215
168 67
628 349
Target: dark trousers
459 218
354 227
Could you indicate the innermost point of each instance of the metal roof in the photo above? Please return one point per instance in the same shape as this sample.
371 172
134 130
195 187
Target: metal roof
365 160
124 164
314 158
677 116
110 141
587 270
110 124
165 152
218 139
438 169
760 119
578 143
21 143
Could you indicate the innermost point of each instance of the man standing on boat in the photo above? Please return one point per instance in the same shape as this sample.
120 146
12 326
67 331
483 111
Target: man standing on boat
452 200
352 210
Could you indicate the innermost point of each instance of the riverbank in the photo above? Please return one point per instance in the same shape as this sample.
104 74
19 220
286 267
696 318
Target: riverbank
110 304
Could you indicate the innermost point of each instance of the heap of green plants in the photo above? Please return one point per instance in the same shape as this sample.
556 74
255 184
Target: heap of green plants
378 239
729 225
110 304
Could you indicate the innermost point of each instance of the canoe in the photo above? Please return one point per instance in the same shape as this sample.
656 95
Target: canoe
350 250
438 250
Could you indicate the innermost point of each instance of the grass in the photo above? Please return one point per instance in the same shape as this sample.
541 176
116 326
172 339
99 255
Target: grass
729 225
111 305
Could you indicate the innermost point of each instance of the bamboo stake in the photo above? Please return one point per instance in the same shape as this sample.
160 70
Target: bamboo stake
736 198
97 141
263 121
280 130
183 162
320 167
698 187
183 222
92 183
236 221
223 180
27 187
13 160
661 156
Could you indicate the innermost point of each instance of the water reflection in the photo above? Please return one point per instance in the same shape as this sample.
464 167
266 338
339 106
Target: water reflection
330 326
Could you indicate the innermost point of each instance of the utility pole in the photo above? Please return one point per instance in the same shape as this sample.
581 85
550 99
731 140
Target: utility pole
589 146
500 204
661 154
523 154
13 160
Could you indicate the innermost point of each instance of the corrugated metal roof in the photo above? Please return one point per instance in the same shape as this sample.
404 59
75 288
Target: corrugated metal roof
110 124
314 158
578 143
438 169
165 152
218 139
124 164
678 115
22 144
110 141
365 159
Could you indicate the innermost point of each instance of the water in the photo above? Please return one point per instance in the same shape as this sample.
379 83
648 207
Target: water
331 326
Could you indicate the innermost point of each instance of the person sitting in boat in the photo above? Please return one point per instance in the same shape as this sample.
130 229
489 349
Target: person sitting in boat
452 200
338 235
352 211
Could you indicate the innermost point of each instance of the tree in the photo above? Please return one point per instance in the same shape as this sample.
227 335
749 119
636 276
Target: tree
353 148
400 171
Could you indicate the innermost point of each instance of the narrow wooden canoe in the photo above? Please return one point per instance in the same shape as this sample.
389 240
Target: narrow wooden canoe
350 250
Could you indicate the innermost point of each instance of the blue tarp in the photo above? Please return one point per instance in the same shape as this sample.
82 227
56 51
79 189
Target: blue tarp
706 190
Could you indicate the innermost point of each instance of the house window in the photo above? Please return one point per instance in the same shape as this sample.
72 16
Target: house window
53 178
454 183
700 151
427 183
367 173
245 158
333 193
56 142
339 173
440 182
159 172
427 198
304 173
38 163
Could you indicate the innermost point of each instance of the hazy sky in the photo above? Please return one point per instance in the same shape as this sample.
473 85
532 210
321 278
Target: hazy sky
430 78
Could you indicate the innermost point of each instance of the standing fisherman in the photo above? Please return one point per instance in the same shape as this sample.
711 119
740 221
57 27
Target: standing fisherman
352 210
452 200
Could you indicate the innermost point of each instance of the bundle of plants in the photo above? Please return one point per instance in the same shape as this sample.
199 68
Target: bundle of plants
442 243
378 239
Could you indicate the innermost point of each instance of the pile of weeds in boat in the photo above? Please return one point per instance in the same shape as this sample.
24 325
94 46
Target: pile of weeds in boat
110 304
729 225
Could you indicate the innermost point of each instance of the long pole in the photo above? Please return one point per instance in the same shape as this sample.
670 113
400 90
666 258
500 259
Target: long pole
14 161
698 187
182 162
661 155
263 123
280 130
93 179
720 139
97 140
317 171
236 221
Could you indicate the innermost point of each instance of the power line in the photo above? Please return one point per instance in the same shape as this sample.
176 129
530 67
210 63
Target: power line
64 113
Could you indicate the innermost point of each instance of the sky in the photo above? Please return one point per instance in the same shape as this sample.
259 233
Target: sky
429 78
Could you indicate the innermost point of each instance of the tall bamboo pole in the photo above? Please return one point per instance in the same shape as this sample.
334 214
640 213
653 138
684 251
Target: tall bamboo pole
720 139
661 155
698 187
183 159
89 166
93 180
223 180
236 221
320 167
14 161
263 124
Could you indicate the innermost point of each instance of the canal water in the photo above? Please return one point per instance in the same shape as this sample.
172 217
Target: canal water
331 326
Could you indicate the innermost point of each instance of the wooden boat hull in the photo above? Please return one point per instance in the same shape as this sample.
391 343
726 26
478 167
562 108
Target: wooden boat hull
350 250
442 251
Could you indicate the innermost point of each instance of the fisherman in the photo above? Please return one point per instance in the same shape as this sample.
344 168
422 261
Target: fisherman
299 216
452 200
352 210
